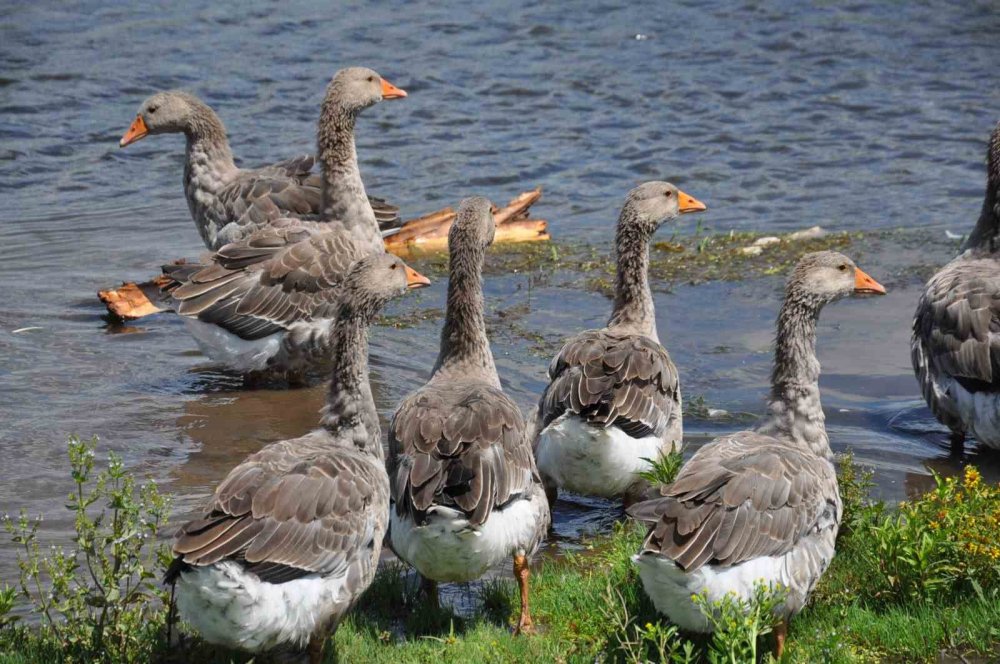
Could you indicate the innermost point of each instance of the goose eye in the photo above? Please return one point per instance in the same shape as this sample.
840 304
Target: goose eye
371 79
842 268
152 109
667 194
394 266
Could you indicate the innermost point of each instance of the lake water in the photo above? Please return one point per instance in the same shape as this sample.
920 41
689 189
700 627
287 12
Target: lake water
853 116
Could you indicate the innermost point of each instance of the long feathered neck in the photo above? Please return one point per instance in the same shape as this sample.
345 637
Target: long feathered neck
350 413
343 197
633 309
207 143
986 234
465 348
794 409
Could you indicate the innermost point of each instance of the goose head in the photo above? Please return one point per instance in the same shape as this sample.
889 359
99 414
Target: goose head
167 112
356 88
374 280
653 203
825 276
473 224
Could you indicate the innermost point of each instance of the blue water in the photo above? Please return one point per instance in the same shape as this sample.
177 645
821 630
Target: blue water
854 116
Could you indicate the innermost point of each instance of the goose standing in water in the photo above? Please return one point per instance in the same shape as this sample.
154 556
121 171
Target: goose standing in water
264 304
760 505
614 400
465 491
292 536
955 346
228 203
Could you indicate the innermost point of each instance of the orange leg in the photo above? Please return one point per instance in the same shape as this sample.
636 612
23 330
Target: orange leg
521 573
780 632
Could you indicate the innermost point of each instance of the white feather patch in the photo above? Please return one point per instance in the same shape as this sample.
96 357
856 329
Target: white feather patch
446 548
593 460
231 607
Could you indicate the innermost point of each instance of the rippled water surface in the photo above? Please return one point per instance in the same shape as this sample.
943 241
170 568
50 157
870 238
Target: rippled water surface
850 115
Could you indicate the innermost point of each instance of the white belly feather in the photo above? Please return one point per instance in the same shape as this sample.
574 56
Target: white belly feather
671 589
446 548
231 607
978 411
228 349
593 460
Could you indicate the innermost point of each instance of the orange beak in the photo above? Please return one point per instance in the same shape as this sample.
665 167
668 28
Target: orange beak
390 91
865 284
414 279
689 203
135 132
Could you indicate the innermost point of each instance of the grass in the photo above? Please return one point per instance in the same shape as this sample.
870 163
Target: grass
908 584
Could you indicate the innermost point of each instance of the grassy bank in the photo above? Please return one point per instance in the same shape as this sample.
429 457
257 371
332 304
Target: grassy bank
909 583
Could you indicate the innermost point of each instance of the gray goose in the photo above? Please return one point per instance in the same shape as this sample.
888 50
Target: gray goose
955 346
292 535
227 202
613 401
465 492
264 304
760 505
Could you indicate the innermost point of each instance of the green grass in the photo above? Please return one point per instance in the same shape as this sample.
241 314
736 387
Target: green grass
941 595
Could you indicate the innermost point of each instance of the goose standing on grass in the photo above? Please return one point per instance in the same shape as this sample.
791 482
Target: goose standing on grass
263 305
292 536
227 202
956 330
465 492
614 400
760 505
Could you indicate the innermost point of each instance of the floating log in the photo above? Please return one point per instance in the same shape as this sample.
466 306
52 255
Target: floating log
132 300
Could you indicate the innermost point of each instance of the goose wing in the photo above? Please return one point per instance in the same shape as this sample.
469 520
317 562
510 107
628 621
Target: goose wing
283 515
624 380
461 445
958 323
299 170
743 496
282 274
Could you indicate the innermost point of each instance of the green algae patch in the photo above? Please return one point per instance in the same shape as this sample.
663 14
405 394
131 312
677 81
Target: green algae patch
694 259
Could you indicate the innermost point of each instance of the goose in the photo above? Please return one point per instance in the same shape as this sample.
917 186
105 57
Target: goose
759 505
955 347
263 305
292 535
613 401
227 202
465 492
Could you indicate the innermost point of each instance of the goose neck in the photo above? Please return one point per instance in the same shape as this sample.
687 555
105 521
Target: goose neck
465 348
633 307
343 197
986 234
794 409
350 412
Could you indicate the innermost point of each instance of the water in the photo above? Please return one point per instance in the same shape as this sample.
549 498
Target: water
849 115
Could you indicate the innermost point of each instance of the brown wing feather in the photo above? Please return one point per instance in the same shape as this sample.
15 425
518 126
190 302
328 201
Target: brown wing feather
460 445
625 380
276 277
314 514
740 497
958 322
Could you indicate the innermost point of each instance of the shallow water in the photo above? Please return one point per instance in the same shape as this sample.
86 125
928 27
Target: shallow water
848 115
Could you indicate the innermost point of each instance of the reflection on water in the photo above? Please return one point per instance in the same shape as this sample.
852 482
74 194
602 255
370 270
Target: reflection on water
852 116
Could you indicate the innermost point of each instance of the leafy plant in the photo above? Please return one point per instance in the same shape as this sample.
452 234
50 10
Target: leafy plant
664 469
98 599
738 624
8 597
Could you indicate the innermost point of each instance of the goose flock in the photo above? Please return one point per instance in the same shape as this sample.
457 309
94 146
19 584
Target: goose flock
298 272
